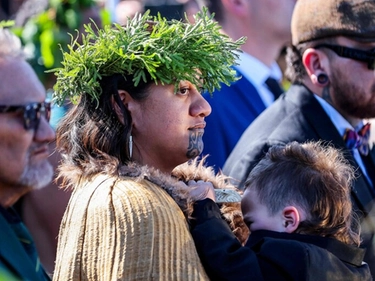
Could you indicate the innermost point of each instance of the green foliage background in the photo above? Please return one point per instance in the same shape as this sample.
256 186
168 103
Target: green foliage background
43 34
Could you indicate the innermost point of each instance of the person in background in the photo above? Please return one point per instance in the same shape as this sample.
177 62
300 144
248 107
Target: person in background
42 210
298 208
331 67
24 137
9 9
127 9
266 24
171 9
191 7
138 114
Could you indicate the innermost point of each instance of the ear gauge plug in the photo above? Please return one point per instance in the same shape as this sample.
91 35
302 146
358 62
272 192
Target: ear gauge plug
322 79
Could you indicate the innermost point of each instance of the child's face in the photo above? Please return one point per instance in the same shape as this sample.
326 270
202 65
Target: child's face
256 215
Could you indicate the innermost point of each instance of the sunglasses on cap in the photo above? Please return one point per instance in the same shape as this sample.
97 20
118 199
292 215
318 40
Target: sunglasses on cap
350 53
32 113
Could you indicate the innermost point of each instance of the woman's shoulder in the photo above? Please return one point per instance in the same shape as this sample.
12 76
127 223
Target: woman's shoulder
103 191
105 185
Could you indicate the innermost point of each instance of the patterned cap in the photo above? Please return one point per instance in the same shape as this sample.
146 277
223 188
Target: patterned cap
317 19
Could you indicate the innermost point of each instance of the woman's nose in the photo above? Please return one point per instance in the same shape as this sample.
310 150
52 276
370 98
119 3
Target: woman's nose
201 107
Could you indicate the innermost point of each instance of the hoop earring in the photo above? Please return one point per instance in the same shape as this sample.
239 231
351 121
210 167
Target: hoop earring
130 147
322 79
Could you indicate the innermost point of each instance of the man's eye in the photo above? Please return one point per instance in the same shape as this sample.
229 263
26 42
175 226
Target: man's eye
183 91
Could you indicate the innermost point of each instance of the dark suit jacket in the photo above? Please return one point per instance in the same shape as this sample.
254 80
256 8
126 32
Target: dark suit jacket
298 116
234 107
13 255
270 255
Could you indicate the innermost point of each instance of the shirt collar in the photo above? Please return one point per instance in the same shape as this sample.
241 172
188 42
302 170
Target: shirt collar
338 120
256 71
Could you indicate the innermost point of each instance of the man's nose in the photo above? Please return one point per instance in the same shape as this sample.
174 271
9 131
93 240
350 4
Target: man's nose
45 132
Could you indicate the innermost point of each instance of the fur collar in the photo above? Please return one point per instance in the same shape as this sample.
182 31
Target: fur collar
171 183
192 170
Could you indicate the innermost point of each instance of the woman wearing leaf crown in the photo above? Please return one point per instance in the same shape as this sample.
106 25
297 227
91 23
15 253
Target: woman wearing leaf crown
138 114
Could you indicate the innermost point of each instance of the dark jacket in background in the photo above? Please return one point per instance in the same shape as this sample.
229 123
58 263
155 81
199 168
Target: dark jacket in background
234 107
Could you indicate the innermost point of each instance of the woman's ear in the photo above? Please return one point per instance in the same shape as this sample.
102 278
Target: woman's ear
316 64
292 218
124 98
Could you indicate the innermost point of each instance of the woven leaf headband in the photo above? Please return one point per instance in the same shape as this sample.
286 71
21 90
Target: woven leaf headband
168 51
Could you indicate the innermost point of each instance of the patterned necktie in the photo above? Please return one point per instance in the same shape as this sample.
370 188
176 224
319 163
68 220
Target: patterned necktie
358 140
274 87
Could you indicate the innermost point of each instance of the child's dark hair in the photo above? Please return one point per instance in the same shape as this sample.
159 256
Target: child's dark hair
315 177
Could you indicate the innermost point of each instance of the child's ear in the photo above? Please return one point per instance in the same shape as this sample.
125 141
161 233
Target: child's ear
292 218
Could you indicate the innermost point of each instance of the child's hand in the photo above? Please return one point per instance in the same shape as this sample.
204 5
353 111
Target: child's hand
199 190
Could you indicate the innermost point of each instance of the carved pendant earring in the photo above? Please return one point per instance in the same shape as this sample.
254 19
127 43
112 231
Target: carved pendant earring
130 147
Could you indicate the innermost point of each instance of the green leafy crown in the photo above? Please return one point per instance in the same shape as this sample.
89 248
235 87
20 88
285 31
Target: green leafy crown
169 51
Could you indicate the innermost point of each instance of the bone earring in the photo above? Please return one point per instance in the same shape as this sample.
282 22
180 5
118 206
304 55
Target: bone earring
130 147
322 79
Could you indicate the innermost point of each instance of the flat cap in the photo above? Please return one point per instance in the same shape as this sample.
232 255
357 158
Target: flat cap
317 19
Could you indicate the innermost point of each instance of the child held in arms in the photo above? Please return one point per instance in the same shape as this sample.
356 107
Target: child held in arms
297 206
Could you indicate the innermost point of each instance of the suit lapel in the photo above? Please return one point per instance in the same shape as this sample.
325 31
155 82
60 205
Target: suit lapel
372 154
12 252
315 115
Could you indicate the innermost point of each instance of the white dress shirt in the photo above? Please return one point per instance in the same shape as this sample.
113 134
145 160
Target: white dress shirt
257 73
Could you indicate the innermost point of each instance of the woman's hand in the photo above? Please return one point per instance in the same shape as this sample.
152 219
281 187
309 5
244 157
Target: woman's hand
199 190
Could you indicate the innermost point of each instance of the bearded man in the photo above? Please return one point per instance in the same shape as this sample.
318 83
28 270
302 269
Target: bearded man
24 137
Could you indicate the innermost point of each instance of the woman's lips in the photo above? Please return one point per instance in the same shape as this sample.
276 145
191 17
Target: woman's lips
199 126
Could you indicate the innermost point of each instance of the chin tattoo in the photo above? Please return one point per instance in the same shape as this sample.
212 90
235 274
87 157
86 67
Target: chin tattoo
195 144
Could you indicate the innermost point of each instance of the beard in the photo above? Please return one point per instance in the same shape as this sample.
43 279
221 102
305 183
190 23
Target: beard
350 98
37 175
